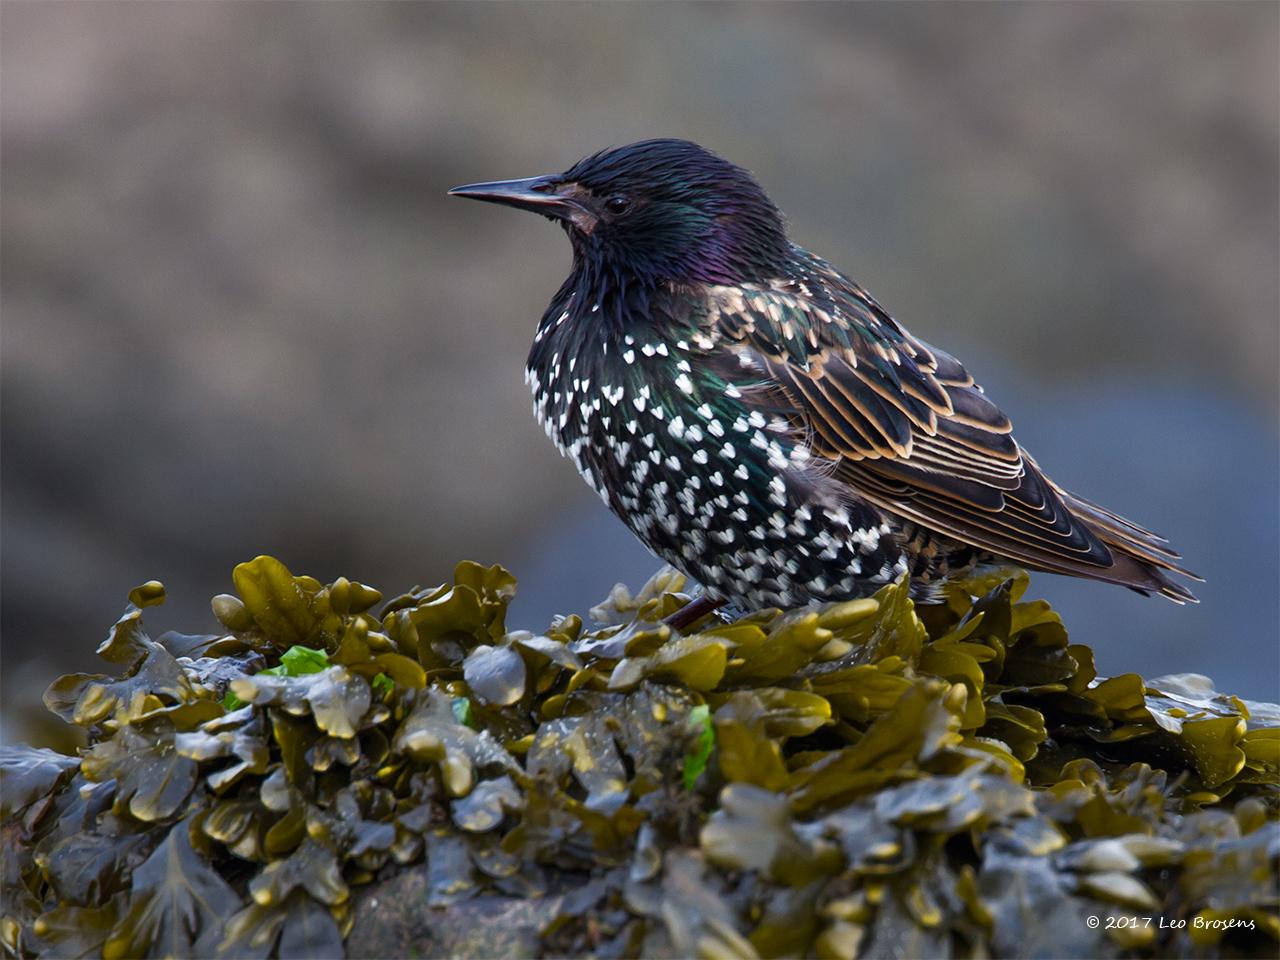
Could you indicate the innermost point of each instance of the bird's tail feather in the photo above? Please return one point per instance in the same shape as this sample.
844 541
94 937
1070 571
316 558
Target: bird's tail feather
1141 557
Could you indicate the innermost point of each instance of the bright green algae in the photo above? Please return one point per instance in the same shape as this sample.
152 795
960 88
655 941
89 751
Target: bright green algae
859 779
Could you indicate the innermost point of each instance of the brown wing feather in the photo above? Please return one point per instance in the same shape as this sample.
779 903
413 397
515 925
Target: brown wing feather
910 431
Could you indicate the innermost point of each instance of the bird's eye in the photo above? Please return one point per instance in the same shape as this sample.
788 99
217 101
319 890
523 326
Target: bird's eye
617 204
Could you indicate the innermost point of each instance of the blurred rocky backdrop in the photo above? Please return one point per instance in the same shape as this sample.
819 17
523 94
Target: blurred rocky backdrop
240 316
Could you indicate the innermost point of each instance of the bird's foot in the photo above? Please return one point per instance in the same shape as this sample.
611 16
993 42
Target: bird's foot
692 612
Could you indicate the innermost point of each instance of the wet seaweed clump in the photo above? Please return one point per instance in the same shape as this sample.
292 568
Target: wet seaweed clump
333 773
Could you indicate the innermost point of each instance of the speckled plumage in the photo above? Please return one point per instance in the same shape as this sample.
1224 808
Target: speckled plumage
759 421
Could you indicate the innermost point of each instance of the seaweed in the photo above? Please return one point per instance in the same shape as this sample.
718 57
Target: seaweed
330 772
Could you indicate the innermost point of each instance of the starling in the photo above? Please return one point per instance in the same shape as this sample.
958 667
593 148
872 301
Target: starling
760 422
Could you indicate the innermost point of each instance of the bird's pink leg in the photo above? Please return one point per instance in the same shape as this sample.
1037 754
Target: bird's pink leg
691 612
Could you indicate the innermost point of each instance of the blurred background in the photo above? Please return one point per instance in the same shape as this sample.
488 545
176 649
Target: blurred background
241 317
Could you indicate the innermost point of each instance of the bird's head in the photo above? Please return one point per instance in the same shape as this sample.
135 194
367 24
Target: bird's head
657 210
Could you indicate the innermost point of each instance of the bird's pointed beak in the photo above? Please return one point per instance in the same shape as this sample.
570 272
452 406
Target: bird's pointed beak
538 194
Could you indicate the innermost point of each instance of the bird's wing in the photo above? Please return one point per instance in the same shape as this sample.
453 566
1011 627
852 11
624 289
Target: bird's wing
907 429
